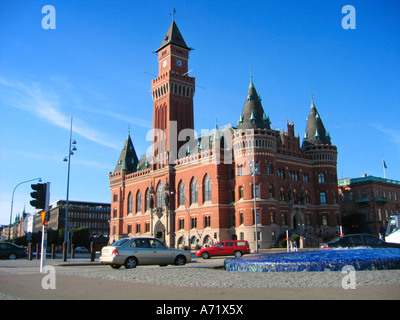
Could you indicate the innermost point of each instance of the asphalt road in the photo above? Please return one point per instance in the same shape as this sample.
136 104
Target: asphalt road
20 280
28 287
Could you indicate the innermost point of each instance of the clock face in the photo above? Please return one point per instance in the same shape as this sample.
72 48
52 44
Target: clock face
164 64
179 63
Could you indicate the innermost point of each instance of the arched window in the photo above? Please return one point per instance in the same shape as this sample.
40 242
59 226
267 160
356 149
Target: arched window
139 201
193 191
148 199
181 195
130 202
207 188
160 195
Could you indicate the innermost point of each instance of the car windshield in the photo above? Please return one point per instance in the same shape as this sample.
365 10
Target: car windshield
335 240
119 242
392 225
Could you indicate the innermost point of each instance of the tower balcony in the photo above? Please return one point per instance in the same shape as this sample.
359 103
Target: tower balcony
363 200
381 199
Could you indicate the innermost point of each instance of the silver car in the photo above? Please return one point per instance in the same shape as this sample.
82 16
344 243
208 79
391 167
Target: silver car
141 251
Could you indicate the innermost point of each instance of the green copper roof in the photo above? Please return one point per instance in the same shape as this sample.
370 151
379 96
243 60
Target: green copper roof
174 37
253 115
316 133
128 159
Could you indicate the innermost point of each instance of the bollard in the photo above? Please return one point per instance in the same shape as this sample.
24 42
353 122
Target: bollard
92 252
53 251
30 251
64 251
72 252
37 251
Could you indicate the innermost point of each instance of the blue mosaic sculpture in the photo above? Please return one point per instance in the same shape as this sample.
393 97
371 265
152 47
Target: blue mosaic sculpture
317 260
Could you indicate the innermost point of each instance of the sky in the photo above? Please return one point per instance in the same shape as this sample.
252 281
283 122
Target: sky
97 64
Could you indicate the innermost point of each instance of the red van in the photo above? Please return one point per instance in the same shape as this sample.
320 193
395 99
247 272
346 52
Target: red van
225 248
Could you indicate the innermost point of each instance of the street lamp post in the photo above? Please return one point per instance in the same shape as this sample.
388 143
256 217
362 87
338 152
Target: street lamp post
12 202
187 208
71 150
255 201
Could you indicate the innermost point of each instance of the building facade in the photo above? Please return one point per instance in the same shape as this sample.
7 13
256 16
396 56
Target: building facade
376 199
94 215
199 190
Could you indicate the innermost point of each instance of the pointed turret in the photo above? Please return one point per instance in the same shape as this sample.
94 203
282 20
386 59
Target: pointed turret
173 36
253 115
128 159
315 131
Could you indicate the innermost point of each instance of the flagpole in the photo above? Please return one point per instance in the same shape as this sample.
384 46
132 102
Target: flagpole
384 168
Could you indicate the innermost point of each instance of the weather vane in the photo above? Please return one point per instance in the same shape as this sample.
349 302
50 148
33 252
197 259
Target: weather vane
173 14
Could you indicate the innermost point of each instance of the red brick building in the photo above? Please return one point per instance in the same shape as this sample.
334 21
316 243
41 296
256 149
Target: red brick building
376 199
202 188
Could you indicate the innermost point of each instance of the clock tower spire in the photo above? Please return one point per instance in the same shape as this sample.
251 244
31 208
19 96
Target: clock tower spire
172 93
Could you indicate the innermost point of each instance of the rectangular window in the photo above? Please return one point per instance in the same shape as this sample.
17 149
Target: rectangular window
207 221
194 223
257 189
240 192
322 197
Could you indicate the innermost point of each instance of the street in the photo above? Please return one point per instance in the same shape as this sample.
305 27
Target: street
80 279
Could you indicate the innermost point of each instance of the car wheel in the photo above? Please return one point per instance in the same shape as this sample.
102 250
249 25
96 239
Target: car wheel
237 254
180 261
131 263
205 255
12 256
115 266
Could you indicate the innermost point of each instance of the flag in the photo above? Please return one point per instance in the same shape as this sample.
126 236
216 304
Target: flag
384 164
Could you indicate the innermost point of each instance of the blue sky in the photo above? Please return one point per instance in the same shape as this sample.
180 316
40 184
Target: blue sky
97 65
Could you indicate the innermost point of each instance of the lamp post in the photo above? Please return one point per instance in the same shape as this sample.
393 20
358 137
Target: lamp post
71 150
12 202
255 169
187 208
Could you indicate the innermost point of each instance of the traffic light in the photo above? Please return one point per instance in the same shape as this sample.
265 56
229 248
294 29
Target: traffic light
45 217
39 196
159 234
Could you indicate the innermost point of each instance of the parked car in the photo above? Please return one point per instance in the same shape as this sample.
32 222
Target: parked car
141 251
81 250
358 240
225 248
11 251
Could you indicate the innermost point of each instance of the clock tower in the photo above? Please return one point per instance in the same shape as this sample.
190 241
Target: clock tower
172 93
